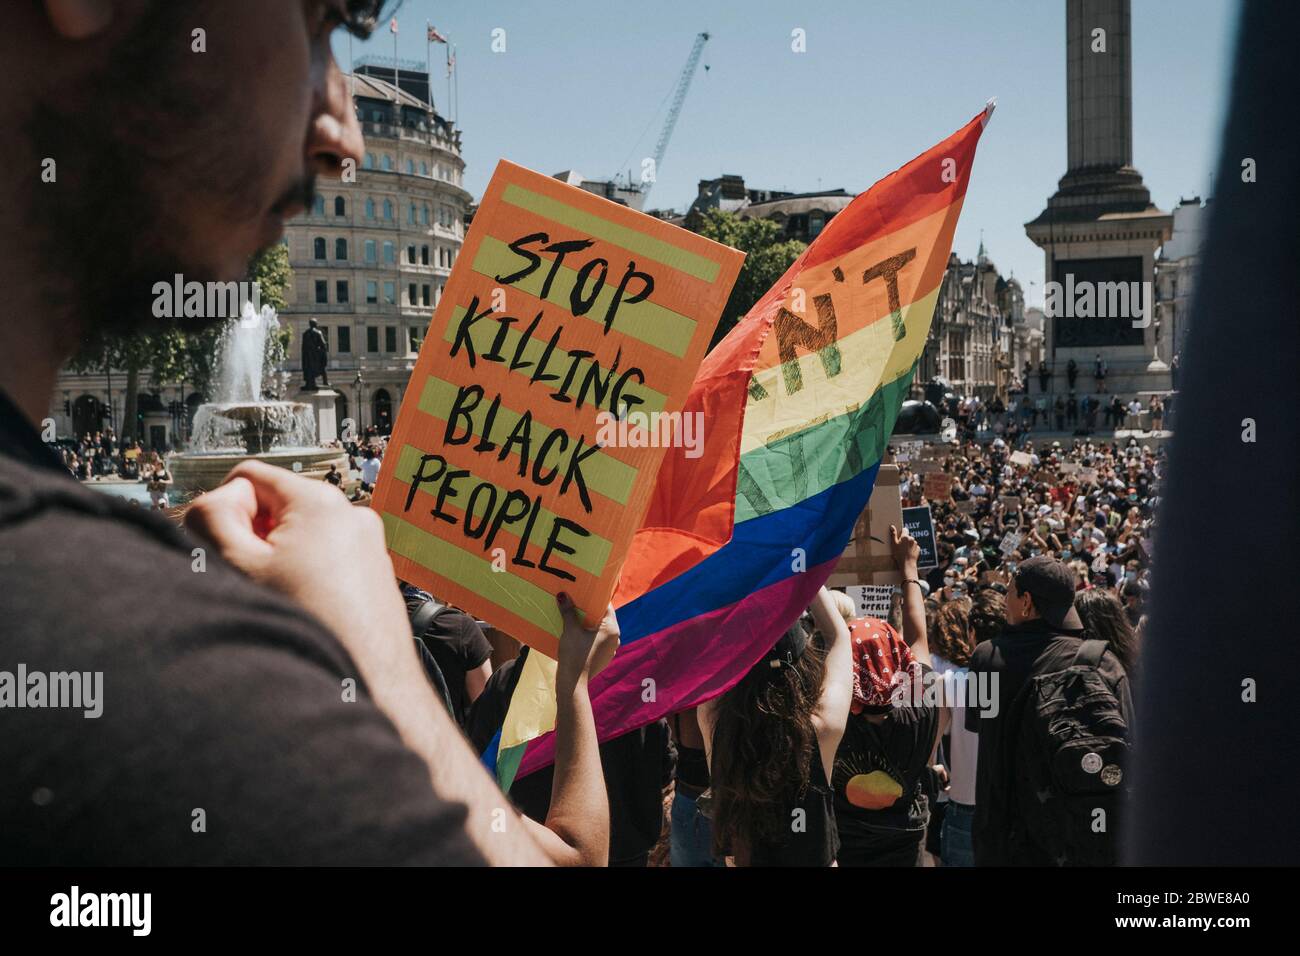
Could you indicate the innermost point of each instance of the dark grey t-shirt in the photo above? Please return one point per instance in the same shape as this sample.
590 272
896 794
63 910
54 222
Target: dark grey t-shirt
224 737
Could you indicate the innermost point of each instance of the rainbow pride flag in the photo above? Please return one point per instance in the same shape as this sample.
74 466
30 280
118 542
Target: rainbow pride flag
798 402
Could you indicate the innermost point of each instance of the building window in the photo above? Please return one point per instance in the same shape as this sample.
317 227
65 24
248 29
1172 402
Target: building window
322 291
372 293
372 338
339 207
411 295
410 254
425 296
318 207
341 290
345 338
388 209
370 250
424 255
410 214
410 167
318 247
340 249
390 254
390 293
370 209
424 169
370 161
424 215
390 338
387 163
415 339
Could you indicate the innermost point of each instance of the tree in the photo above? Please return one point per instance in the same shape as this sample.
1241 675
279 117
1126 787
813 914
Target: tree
171 355
767 256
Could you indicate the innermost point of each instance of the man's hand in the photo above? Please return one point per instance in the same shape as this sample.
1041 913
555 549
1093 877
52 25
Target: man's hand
906 551
288 532
584 653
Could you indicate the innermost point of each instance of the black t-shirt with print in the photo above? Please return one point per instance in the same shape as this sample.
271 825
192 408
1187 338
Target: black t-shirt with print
881 810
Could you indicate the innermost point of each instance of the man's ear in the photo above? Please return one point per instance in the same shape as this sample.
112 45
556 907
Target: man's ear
79 19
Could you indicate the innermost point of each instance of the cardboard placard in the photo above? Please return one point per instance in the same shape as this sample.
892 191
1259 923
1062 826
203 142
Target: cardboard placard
926 467
1010 541
542 403
869 557
871 600
966 507
919 523
1022 458
1010 502
938 486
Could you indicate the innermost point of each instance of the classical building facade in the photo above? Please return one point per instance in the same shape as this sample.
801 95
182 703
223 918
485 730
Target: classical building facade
369 264
371 259
980 334
1177 267
801 216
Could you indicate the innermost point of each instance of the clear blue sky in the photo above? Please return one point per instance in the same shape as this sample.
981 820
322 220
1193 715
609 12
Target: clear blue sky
580 86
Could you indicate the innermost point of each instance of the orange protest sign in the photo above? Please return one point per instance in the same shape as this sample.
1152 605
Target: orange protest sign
547 390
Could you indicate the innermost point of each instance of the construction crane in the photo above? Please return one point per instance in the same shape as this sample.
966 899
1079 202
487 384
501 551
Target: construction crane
679 97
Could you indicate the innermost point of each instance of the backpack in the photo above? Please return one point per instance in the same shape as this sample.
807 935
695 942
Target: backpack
422 618
1071 762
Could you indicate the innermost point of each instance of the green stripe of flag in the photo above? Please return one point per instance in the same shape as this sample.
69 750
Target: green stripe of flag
632 240
602 473
798 466
645 321
508 761
591 552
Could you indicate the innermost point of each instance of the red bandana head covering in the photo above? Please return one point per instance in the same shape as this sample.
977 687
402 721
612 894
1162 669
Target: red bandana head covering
881 662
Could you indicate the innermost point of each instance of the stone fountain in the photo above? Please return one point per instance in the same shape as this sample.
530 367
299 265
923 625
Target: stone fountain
241 424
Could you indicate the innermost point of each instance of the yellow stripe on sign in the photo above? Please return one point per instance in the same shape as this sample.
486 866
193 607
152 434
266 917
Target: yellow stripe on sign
644 321
603 474
868 358
592 552
633 240
482 335
509 591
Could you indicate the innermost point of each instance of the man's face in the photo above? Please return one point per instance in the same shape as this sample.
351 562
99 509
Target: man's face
1020 606
179 160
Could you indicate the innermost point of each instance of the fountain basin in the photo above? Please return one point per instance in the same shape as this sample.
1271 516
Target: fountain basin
193 472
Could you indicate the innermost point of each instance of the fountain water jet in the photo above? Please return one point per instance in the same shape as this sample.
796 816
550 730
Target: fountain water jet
240 424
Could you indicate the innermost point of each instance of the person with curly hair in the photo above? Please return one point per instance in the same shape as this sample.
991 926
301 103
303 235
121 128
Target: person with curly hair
770 742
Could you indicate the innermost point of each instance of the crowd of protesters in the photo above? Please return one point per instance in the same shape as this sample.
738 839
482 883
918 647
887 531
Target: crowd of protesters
825 753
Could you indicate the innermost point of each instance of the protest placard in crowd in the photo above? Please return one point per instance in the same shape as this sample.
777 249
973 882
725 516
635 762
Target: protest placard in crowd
1010 541
544 398
1010 502
1022 458
919 523
937 486
871 600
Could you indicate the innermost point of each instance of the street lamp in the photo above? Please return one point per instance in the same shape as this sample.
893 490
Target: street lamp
357 384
